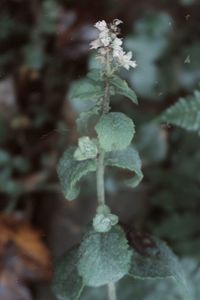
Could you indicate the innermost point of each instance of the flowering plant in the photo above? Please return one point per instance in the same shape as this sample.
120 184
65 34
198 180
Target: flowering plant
107 252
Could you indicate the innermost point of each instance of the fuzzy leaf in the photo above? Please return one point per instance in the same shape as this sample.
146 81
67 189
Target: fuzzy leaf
184 113
67 284
95 75
86 89
157 262
115 131
104 257
122 88
71 171
87 149
126 159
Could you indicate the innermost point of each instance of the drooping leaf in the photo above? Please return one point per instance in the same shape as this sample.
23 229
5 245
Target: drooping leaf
157 261
126 159
70 171
86 89
104 257
67 284
115 131
184 113
122 88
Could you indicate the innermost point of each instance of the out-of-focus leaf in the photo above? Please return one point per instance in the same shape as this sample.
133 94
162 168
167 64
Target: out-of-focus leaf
185 113
148 45
86 120
29 258
49 17
151 143
34 55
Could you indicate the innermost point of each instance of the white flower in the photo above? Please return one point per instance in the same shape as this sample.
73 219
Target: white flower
117 22
95 44
124 59
101 26
108 42
116 43
105 38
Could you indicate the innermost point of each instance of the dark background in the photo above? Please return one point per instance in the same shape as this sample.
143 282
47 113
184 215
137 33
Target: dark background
44 47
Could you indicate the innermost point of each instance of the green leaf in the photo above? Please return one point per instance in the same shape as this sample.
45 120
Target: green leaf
115 131
122 88
104 220
184 113
104 257
95 75
67 284
87 149
71 171
86 89
157 261
126 159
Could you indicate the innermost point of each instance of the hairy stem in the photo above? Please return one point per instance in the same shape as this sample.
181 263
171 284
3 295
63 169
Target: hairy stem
100 161
111 291
100 178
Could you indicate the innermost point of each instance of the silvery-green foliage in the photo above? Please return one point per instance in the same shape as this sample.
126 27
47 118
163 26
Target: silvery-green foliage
104 220
127 159
104 257
67 284
122 88
185 113
86 89
115 131
70 171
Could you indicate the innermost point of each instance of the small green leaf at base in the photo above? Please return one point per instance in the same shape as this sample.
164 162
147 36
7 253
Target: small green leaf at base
126 159
104 257
67 284
70 171
115 131
122 88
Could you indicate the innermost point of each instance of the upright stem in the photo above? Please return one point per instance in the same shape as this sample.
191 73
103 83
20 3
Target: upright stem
100 178
111 291
100 162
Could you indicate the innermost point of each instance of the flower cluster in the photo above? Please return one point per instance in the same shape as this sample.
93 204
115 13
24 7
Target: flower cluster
108 42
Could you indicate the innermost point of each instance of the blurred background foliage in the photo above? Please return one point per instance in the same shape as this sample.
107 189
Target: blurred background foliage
44 48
